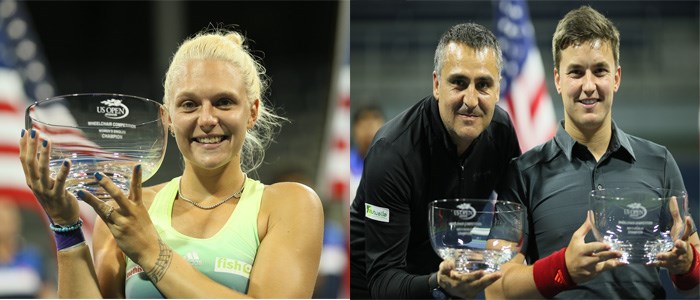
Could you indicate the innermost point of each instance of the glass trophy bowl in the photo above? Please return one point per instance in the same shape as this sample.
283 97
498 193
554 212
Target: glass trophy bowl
108 133
478 234
639 223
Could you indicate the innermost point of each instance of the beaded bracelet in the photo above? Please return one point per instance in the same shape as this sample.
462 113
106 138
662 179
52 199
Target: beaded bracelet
59 228
67 236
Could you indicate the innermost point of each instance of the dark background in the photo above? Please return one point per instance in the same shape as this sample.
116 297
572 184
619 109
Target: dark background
392 43
659 55
125 47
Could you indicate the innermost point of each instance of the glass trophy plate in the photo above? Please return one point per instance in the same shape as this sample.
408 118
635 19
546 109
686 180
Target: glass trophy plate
108 133
640 223
478 234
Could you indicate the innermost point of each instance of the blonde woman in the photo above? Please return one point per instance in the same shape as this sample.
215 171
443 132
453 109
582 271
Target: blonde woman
210 233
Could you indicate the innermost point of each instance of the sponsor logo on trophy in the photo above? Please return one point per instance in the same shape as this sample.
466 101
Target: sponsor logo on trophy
635 211
113 109
465 212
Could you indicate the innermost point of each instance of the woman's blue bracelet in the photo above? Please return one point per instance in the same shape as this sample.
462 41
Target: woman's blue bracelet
59 228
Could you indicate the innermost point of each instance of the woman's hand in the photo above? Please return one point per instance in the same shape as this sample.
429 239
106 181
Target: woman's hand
127 219
60 205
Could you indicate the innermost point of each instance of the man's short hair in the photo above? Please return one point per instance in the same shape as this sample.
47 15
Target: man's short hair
473 35
584 24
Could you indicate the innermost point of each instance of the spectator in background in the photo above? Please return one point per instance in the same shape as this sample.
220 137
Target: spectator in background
365 123
22 269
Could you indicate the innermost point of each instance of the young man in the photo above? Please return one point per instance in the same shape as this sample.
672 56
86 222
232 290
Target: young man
454 144
588 152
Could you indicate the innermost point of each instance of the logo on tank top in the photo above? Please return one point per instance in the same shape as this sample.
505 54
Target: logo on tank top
233 266
193 258
136 269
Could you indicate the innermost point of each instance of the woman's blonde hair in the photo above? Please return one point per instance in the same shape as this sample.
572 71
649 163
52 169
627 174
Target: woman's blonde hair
228 45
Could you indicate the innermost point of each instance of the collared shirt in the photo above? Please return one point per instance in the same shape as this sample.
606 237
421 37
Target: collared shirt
554 181
411 162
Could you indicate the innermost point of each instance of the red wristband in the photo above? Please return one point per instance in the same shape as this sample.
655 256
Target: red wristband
551 275
690 279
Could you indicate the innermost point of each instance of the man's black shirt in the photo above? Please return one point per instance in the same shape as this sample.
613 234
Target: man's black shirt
411 162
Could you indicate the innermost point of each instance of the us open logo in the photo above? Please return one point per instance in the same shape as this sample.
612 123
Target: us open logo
635 211
466 212
114 109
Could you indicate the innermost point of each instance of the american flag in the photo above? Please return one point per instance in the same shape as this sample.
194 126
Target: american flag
333 180
334 172
523 88
24 78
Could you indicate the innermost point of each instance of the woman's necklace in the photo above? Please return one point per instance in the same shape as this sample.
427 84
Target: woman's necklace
236 195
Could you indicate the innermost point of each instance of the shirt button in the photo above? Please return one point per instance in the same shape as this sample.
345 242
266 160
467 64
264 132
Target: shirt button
600 187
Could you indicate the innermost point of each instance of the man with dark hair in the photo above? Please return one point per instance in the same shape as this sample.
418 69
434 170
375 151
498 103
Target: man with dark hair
589 151
454 144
